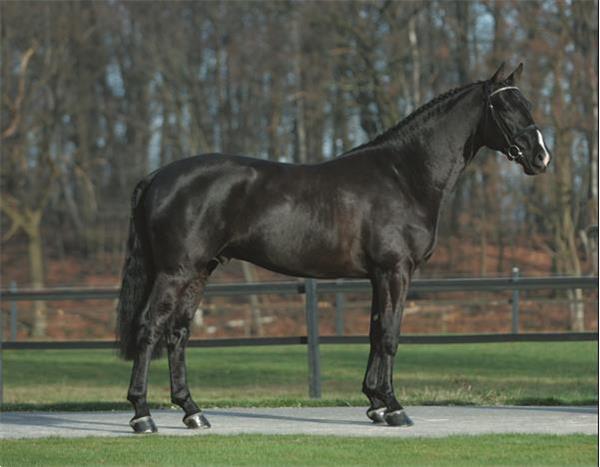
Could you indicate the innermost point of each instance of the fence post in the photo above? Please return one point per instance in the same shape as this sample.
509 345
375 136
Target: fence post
13 314
1 358
340 304
515 301
312 332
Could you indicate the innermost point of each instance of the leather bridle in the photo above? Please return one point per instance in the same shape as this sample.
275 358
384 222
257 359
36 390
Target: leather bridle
512 151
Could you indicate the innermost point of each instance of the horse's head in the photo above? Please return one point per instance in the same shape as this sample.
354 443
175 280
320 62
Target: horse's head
509 126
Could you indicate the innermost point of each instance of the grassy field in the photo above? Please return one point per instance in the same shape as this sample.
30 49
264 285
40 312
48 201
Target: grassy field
513 373
303 450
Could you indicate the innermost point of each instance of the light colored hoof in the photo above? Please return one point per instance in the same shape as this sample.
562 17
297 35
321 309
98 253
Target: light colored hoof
377 415
196 420
398 418
143 425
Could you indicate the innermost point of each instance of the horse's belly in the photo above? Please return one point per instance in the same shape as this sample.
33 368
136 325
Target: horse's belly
316 269
298 246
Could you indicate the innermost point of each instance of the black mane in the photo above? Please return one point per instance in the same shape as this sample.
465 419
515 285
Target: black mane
395 131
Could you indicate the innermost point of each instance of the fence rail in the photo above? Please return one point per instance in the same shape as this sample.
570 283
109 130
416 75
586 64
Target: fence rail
312 288
303 340
326 286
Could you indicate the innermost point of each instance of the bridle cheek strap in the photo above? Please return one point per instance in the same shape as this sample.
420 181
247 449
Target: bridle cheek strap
513 152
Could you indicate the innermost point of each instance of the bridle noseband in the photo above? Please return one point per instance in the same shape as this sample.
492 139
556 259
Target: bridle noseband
513 152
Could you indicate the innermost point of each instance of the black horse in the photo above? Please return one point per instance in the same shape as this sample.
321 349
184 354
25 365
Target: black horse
371 213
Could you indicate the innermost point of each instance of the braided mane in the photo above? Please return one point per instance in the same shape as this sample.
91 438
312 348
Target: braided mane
403 124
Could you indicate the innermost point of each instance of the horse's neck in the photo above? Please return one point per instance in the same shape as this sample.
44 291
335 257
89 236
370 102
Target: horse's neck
443 151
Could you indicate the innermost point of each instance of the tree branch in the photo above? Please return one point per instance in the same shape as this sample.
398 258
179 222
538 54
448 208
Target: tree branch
18 102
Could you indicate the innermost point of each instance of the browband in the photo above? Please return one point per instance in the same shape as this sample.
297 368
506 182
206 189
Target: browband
505 88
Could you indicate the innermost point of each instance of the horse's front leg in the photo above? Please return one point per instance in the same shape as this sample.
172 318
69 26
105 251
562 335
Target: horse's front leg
377 408
389 293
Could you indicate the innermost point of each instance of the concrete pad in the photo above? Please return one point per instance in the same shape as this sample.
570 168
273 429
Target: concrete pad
430 421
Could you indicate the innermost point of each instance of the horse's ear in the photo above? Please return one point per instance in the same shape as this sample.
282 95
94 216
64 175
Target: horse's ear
515 75
496 77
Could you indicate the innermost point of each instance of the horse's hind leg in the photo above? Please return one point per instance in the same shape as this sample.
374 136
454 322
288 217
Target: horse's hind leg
161 304
177 337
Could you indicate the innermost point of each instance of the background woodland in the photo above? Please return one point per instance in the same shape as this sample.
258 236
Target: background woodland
97 94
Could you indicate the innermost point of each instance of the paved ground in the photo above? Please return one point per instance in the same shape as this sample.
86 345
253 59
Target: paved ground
341 421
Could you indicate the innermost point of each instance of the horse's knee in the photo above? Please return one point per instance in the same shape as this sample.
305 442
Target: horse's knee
148 335
177 336
390 342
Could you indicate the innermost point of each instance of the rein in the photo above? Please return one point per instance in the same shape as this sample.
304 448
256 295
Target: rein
513 151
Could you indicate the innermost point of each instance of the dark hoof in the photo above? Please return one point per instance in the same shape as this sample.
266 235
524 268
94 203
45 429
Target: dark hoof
143 425
197 420
398 418
377 415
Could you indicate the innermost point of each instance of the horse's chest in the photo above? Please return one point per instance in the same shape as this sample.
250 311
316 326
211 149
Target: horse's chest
401 238
421 240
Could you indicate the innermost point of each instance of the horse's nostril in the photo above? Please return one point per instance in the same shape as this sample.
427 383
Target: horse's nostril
540 158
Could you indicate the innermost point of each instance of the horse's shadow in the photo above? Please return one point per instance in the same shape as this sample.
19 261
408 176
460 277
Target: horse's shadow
572 410
288 418
44 420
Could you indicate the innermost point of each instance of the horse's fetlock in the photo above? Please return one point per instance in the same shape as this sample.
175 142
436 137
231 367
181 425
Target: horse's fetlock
378 394
135 398
180 398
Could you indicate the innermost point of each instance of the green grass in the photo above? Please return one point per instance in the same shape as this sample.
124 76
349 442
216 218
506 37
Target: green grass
303 450
510 373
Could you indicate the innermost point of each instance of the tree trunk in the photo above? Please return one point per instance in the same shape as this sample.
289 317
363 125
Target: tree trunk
577 310
500 267
483 247
462 12
416 65
301 152
565 223
36 266
255 327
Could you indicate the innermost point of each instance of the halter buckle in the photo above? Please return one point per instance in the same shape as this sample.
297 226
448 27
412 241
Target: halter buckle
514 152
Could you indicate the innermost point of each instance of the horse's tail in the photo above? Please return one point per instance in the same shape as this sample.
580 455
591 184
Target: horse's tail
138 276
